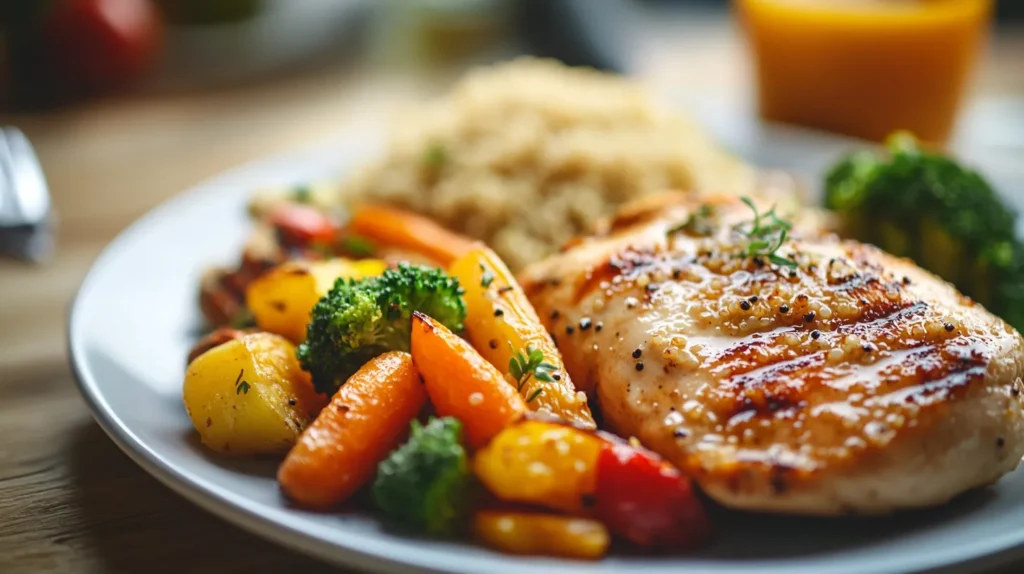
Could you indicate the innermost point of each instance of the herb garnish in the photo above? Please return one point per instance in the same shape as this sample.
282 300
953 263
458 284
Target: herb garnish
358 246
243 386
302 194
486 278
530 363
699 222
243 319
435 156
766 235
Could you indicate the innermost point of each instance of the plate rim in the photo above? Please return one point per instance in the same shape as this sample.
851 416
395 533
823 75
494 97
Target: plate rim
235 509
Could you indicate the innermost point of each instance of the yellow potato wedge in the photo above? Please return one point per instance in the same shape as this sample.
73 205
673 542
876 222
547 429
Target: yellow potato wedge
250 396
541 534
501 323
541 464
282 298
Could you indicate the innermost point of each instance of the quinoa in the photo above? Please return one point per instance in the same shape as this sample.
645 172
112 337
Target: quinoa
530 153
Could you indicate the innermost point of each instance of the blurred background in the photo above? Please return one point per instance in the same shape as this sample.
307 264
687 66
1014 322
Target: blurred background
128 102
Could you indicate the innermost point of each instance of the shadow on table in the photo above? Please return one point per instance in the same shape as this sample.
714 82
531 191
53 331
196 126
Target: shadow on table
137 524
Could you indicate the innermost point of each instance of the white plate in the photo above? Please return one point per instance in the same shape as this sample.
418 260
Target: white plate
135 318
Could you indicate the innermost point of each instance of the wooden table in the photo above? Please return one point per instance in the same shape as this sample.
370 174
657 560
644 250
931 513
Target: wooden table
69 500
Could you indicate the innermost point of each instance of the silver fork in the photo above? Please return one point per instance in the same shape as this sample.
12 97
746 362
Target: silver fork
26 230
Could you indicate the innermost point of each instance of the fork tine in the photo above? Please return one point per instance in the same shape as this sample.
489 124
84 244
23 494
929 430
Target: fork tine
26 175
26 222
9 212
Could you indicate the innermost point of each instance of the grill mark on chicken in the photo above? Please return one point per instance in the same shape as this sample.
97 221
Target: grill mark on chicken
762 383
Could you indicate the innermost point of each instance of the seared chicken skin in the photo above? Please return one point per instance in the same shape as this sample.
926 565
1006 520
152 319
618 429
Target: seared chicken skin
830 378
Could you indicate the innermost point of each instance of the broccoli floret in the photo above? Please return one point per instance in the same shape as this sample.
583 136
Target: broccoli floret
424 484
946 217
360 319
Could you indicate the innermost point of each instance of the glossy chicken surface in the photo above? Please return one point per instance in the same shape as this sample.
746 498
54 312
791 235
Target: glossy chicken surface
832 379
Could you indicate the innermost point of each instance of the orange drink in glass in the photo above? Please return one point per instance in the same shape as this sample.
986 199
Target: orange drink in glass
865 67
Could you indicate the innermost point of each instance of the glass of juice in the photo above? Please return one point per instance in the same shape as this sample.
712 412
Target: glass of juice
865 68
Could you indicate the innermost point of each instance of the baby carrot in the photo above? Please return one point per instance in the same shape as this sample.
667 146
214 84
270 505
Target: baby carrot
365 420
463 384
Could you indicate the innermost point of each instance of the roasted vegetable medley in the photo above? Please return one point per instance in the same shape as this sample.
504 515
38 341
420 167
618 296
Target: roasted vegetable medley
396 364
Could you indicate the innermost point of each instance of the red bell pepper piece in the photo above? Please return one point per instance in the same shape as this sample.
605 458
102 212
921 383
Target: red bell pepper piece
302 225
647 501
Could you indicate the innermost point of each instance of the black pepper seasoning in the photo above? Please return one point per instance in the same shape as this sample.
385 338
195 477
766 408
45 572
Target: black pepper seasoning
555 315
637 352
291 402
640 366
745 305
906 280
949 327
598 326
815 334
499 312
809 317
753 299
556 376
493 343
569 330
784 308
584 323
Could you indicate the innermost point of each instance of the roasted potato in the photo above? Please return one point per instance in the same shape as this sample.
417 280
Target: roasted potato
542 534
282 298
541 464
249 396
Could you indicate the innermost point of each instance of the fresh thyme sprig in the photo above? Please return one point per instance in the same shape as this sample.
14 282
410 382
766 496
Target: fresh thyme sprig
530 363
766 235
699 222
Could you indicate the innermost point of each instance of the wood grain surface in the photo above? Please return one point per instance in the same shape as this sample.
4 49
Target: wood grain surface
69 499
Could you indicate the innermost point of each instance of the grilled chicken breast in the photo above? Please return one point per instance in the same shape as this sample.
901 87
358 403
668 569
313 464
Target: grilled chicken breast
826 378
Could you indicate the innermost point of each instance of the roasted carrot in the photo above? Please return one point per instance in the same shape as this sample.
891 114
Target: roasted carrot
398 228
461 383
502 324
365 420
